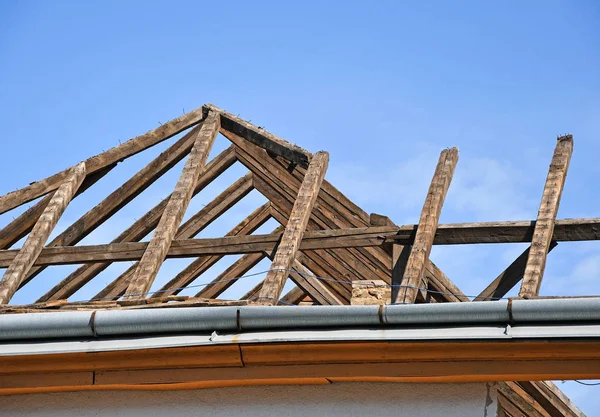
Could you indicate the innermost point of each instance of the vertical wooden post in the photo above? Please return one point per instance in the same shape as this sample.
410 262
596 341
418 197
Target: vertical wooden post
20 266
294 231
430 215
161 240
544 226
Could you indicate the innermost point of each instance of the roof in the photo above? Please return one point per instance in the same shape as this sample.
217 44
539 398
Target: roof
324 243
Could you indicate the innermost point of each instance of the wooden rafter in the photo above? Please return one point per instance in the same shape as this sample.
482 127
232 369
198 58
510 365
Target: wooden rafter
499 287
419 254
231 275
116 200
281 188
544 226
32 247
136 231
198 222
247 226
22 224
313 287
175 210
98 162
294 230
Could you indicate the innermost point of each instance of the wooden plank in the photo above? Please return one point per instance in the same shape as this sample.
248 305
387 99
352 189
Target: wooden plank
231 275
178 202
414 274
261 137
138 230
198 222
247 226
32 247
22 225
312 286
323 263
499 287
551 398
100 161
544 226
116 200
281 187
183 248
294 230
566 230
294 296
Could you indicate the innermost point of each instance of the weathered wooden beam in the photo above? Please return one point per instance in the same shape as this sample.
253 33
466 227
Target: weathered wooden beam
138 230
323 263
198 222
521 403
293 296
551 398
499 287
38 236
98 162
281 187
419 254
127 251
175 210
261 137
116 200
311 285
231 275
567 230
544 226
247 226
22 224
294 230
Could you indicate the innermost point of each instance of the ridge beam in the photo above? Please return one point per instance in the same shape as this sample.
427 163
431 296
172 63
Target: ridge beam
294 230
430 215
34 244
261 137
161 240
544 226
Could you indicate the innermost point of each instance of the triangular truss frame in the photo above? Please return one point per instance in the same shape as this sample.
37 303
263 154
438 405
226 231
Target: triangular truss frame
321 233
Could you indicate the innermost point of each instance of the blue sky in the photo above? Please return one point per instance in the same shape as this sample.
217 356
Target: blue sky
383 86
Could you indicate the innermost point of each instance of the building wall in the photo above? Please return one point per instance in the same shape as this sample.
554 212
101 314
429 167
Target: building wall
339 399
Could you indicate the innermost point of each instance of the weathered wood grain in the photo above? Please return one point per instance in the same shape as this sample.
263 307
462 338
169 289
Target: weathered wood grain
175 210
281 188
22 224
231 275
116 200
20 265
247 226
544 226
499 287
198 222
96 163
261 137
312 286
138 230
294 230
566 230
419 254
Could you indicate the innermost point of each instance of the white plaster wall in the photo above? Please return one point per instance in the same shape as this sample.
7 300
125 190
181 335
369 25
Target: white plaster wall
340 399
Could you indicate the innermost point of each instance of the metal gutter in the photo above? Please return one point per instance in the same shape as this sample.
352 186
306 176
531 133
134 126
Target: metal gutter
483 333
113 323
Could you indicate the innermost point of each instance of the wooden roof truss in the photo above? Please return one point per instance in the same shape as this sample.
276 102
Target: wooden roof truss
323 244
